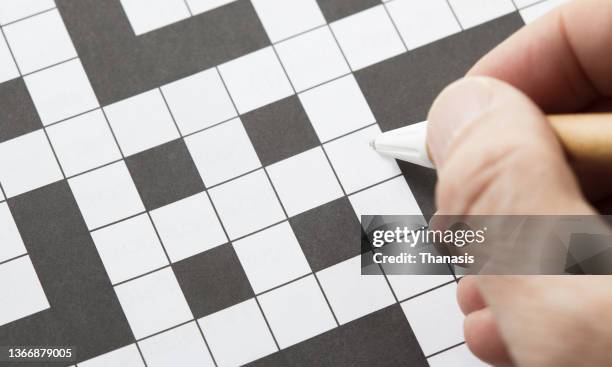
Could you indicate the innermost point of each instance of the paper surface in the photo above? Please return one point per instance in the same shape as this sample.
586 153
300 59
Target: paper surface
191 194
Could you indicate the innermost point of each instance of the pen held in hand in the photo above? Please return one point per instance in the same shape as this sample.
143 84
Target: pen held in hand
586 139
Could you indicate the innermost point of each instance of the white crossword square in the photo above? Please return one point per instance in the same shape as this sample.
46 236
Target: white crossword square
127 356
141 122
289 175
271 257
181 346
368 37
356 163
423 22
337 108
22 293
435 319
40 41
352 295
199 101
474 12
153 303
27 163
106 195
61 91
297 311
406 286
12 10
129 248
238 334
10 239
247 204
282 19
201 6
83 143
312 58
8 69
147 15
222 152
389 198
188 227
255 80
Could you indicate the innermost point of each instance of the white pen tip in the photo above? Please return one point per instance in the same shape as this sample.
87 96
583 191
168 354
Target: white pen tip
408 144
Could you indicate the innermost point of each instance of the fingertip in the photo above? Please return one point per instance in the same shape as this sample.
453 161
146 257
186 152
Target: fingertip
483 338
468 295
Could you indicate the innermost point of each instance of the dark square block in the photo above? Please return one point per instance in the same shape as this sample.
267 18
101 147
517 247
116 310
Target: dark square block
422 183
165 174
84 309
337 9
400 90
213 280
280 130
18 116
328 234
120 64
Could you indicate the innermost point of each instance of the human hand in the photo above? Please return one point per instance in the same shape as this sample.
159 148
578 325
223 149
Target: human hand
496 154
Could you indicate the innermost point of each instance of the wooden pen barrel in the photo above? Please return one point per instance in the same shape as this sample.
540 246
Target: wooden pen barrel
587 141
586 138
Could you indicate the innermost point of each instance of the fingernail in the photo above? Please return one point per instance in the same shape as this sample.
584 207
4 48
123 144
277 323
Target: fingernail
459 104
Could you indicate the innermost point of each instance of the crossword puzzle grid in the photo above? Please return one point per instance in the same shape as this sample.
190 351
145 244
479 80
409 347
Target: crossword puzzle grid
223 205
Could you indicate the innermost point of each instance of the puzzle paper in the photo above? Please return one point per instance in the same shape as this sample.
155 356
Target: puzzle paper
181 180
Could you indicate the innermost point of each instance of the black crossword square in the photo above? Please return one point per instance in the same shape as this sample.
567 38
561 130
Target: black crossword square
18 115
165 174
328 234
422 183
213 280
280 130
121 64
337 9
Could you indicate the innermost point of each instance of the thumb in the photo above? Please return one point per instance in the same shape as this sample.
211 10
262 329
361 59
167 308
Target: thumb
497 154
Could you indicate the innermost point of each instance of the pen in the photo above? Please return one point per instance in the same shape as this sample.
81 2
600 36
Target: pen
586 139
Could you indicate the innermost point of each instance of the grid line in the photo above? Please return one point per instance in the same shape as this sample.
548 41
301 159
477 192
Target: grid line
450 6
44 128
406 49
50 66
28 16
10 50
13 258
188 8
444 350
3 192
141 355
